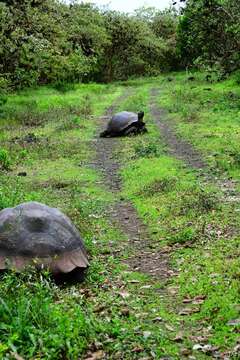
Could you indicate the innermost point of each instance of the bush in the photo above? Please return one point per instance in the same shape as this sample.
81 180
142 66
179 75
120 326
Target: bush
4 160
209 35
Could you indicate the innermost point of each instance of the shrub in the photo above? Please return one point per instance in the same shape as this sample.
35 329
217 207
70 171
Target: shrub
4 160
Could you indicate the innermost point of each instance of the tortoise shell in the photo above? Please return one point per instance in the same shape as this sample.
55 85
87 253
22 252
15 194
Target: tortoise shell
33 233
120 121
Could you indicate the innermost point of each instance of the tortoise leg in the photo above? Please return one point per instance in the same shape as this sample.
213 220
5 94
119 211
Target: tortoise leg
77 275
131 130
105 133
138 128
143 130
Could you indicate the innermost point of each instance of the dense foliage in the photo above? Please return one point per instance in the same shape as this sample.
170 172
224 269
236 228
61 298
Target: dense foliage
49 41
209 34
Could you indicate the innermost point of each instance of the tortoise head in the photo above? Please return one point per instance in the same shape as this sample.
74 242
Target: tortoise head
140 116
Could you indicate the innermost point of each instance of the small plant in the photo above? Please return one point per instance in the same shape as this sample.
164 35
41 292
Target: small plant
76 121
190 113
4 160
159 186
187 234
207 200
199 201
149 150
29 115
22 154
86 107
228 160
70 123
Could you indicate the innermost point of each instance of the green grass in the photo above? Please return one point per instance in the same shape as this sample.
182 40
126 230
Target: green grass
208 115
117 313
64 323
202 229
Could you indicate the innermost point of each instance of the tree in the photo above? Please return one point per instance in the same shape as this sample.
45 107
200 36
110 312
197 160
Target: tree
209 33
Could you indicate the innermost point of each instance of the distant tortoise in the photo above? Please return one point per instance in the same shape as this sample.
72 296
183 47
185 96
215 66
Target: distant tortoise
35 234
125 123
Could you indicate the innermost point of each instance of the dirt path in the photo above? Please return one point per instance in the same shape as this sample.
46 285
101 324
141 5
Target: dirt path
177 147
142 256
184 151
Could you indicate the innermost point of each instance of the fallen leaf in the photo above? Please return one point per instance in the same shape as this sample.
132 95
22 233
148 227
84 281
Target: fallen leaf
209 349
198 302
188 311
199 299
237 349
142 315
125 312
169 327
138 349
178 337
197 347
158 318
16 356
166 249
98 355
201 339
234 322
124 294
173 290
146 287
146 334
153 354
187 300
185 352
99 308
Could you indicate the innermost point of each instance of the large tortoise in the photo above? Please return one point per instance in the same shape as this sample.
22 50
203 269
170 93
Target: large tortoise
125 123
35 234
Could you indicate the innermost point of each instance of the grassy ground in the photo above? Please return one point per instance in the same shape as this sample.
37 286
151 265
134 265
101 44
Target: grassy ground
208 115
117 313
182 211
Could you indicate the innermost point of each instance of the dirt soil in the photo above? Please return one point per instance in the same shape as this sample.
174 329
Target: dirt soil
142 258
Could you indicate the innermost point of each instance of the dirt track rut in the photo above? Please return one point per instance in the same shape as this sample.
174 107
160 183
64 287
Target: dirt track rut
177 147
184 151
142 256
